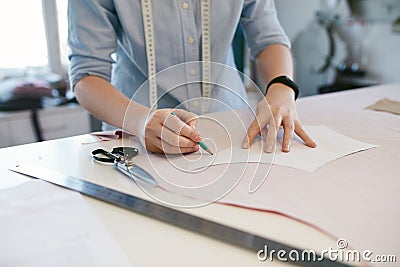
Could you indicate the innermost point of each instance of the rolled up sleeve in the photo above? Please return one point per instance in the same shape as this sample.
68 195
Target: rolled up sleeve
261 26
92 38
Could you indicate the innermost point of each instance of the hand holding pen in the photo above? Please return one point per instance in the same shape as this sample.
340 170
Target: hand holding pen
173 132
201 143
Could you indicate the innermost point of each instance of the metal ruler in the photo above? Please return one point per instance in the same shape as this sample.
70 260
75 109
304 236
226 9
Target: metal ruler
168 215
147 14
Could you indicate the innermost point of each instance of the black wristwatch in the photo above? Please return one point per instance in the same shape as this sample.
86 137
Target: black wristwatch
286 81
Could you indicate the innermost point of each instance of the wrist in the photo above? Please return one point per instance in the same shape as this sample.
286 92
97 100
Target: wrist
285 82
136 120
280 90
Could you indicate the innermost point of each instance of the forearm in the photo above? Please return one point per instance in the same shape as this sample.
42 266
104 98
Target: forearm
274 61
108 104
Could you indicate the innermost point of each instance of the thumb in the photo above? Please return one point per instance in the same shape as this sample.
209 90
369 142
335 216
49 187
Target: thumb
187 117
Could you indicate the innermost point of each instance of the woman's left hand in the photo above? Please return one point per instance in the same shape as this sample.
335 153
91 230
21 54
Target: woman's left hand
280 102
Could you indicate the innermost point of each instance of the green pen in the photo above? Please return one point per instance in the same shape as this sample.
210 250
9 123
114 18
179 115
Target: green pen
201 143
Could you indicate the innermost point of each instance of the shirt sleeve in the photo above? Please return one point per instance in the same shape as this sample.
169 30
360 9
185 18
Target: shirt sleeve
92 38
261 26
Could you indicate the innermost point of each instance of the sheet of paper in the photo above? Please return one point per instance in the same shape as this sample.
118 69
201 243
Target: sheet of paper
386 105
43 225
96 137
331 146
355 198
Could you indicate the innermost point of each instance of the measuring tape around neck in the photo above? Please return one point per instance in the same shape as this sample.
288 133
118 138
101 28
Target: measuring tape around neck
147 14
206 54
150 51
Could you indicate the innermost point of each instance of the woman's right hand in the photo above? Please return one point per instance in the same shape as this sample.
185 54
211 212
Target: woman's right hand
159 131
166 133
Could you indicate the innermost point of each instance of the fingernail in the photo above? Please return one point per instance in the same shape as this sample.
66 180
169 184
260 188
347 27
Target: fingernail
268 149
197 138
286 148
245 145
313 144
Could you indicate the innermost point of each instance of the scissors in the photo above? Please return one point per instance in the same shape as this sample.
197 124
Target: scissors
122 158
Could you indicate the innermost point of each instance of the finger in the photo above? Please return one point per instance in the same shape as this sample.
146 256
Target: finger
170 149
264 133
299 130
176 125
288 130
185 116
262 118
189 118
272 133
175 139
155 131
252 132
193 123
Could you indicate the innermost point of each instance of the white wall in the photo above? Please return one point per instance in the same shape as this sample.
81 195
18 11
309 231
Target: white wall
310 43
296 18
294 15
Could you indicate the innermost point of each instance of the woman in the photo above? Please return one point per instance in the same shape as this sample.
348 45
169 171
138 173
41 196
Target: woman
104 85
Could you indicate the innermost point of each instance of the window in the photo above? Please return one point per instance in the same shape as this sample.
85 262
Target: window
23 35
34 36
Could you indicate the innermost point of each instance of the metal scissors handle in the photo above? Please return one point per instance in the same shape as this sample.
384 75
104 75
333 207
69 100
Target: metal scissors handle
122 158
118 154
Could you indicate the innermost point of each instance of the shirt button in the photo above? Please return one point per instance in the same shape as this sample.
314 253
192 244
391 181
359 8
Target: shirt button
196 103
193 72
185 5
191 40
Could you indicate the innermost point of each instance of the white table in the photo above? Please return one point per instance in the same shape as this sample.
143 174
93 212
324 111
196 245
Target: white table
151 243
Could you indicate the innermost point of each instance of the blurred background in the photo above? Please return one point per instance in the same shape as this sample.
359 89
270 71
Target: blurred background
337 45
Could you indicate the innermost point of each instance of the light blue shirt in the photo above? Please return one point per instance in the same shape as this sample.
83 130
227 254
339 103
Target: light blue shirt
106 38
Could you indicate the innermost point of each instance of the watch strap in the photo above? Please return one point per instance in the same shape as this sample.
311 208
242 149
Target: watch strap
286 81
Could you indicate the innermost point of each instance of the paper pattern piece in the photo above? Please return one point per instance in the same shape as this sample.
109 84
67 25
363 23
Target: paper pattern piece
331 146
96 137
386 105
70 236
104 136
